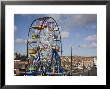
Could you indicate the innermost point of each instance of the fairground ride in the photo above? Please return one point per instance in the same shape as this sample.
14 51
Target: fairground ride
44 48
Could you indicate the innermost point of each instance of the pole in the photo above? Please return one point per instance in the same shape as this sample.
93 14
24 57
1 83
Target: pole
71 60
83 66
27 48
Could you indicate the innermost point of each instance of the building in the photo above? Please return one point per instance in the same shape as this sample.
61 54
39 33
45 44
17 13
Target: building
20 67
80 62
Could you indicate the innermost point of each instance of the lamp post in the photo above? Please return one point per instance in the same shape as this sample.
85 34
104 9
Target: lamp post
71 60
27 48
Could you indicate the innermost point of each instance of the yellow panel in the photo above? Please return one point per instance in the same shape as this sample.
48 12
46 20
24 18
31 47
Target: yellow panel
57 48
39 27
32 51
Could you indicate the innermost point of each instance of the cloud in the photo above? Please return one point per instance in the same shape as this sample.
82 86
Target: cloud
71 21
92 42
64 34
23 41
92 26
55 16
91 38
82 46
85 19
15 28
93 45
90 45
20 41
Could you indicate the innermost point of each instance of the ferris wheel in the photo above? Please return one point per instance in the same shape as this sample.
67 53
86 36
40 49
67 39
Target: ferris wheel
44 42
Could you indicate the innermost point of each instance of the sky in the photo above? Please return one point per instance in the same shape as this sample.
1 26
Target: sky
78 31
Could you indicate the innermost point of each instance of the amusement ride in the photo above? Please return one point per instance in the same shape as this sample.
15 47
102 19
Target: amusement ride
44 48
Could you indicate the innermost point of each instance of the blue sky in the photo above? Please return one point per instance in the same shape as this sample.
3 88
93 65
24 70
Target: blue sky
77 30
